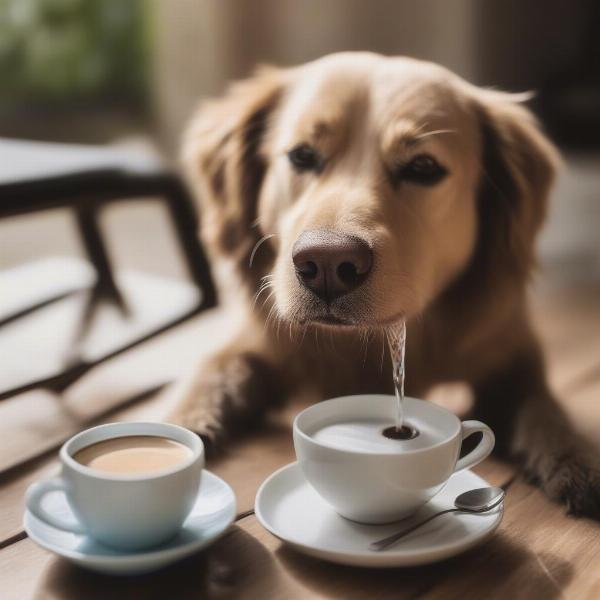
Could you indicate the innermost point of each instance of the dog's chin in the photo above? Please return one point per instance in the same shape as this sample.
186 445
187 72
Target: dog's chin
344 312
341 320
332 321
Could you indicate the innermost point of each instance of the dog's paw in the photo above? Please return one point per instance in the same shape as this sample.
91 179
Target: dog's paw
572 479
227 396
203 417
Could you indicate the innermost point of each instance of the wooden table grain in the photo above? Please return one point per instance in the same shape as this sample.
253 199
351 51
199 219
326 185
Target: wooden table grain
538 551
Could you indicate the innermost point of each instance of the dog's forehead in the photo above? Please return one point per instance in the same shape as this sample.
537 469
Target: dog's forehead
327 94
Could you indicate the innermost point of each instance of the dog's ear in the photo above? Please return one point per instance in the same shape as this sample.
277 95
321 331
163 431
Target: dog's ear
518 168
223 162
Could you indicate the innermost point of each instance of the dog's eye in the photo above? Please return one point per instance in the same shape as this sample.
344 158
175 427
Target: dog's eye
423 169
305 158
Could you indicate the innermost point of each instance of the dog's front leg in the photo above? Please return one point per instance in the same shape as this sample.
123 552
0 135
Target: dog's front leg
229 391
532 429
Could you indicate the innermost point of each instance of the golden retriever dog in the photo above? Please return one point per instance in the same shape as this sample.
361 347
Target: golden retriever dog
357 190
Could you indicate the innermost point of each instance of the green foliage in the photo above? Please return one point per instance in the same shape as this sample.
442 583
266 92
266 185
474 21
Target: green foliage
72 50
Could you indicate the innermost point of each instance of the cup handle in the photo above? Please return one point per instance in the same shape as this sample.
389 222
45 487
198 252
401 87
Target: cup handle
33 500
482 450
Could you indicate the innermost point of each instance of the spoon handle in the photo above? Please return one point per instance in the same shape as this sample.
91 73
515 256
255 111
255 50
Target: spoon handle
392 539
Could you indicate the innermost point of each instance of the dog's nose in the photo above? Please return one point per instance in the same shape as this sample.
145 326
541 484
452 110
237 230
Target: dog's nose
331 263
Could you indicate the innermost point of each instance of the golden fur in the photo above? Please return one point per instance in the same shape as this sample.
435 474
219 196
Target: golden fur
452 258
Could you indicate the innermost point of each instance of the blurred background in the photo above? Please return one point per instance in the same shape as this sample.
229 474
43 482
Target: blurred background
108 71
125 75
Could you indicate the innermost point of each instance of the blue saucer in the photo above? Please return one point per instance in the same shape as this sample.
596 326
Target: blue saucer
212 514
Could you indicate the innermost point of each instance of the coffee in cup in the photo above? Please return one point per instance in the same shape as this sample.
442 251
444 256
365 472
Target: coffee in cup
134 454
129 485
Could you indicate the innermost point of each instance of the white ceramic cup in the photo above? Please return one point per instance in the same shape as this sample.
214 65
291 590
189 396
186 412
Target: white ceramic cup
128 512
381 487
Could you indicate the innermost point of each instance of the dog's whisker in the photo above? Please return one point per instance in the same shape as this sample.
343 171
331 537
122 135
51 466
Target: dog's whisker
297 332
383 340
279 322
266 280
259 292
367 335
271 294
272 315
304 328
258 244
427 134
255 301
264 286
362 338
420 127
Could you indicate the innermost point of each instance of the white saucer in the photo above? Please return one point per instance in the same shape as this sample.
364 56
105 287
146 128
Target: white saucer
212 514
288 507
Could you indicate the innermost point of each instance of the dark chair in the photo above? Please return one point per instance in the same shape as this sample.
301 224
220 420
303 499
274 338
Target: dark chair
40 176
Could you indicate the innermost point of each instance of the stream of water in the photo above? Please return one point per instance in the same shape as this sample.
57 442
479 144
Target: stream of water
396 337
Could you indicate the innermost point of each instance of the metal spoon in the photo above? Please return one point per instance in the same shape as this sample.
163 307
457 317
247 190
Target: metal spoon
474 501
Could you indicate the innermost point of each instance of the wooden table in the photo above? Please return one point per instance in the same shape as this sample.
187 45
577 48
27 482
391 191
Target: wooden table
538 552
